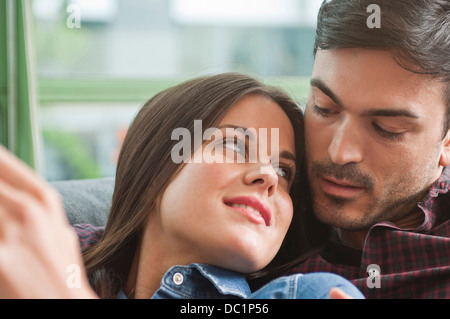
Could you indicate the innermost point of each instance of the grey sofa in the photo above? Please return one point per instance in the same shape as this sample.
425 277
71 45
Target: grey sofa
86 201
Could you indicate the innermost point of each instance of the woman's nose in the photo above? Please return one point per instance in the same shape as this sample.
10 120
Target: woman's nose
264 177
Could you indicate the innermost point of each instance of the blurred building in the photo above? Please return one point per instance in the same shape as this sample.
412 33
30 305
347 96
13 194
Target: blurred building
99 61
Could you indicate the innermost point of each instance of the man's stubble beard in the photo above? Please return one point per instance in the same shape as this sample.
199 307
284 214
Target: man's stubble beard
389 206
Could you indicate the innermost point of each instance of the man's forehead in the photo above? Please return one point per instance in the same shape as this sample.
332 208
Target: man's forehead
361 75
368 62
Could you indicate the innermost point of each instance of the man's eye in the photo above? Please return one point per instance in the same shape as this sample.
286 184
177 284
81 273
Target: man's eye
388 134
322 111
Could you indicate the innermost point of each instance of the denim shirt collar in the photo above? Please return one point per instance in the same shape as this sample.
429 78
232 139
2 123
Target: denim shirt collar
198 281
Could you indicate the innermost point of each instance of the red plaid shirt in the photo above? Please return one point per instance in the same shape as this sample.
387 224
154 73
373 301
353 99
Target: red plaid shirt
88 235
412 263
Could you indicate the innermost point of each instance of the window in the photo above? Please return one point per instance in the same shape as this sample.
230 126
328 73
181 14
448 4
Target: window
99 61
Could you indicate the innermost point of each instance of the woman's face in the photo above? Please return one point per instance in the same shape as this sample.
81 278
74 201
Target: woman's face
233 213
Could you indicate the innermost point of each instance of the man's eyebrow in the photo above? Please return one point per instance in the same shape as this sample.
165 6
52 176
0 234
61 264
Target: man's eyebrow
318 83
371 112
391 113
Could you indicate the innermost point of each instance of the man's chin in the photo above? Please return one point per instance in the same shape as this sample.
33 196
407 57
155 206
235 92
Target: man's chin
343 217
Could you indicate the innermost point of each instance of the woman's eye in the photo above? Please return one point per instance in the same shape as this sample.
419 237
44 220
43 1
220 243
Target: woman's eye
284 172
235 145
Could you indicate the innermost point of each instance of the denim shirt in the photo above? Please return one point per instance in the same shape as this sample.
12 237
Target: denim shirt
198 281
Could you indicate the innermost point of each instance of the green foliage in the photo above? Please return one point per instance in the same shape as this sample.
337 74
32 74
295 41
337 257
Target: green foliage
74 153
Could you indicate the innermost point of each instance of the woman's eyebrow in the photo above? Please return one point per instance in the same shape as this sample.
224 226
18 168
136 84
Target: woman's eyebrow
284 154
247 132
288 155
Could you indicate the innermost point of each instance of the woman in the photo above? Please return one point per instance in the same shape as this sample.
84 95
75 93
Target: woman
192 229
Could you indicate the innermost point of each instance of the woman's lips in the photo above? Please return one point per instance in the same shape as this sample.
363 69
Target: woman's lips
255 209
339 188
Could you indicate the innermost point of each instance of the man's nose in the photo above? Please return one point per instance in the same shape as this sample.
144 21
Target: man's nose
346 145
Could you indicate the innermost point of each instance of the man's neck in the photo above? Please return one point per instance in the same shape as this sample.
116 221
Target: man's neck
356 239
353 239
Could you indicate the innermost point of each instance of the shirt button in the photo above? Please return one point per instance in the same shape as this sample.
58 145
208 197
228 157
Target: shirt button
178 278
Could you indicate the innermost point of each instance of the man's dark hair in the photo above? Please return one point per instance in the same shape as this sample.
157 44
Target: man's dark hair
417 32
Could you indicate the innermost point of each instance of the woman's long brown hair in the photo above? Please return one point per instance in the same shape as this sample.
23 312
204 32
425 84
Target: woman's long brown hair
145 169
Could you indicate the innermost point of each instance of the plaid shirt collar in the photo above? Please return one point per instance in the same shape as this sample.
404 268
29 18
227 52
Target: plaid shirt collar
429 203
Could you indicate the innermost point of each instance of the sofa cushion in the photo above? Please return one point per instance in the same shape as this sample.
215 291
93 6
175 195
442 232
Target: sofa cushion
86 201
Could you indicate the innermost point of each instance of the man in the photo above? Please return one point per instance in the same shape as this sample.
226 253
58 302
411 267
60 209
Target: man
378 143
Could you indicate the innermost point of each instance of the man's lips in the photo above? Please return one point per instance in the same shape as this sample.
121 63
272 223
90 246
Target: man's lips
339 188
255 209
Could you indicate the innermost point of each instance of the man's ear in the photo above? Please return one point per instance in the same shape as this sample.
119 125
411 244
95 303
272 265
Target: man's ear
444 160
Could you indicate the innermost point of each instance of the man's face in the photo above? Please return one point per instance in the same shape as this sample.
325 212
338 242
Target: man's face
374 138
